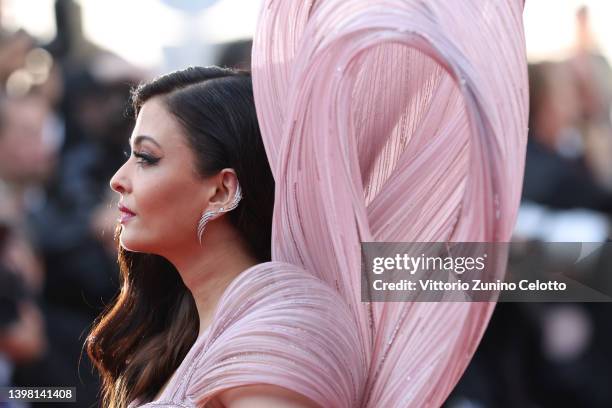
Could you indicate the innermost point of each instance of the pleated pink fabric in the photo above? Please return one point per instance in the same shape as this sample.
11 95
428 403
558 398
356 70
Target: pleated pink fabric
383 120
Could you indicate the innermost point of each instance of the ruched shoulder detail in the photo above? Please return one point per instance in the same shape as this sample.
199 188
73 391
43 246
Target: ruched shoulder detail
277 324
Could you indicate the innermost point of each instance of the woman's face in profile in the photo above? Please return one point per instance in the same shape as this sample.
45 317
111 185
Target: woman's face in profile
162 197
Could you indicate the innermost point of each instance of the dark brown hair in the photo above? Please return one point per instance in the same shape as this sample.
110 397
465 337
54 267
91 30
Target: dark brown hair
154 313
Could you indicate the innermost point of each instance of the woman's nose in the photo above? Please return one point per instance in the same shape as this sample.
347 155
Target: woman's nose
119 182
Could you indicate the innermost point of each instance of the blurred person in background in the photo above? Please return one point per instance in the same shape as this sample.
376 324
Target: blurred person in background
556 174
26 161
22 331
13 51
70 45
235 54
593 77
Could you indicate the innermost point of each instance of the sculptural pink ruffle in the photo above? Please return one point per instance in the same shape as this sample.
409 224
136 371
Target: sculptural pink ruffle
383 120
392 120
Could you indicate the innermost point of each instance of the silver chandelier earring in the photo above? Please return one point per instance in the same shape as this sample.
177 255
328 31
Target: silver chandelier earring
211 213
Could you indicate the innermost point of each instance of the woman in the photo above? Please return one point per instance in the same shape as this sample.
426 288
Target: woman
196 200
383 121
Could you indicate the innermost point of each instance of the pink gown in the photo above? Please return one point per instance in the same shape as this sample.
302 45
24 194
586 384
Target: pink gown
384 121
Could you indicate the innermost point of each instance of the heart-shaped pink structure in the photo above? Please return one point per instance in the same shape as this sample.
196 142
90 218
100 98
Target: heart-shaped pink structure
396 121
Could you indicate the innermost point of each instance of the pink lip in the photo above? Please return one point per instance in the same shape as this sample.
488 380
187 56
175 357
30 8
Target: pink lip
125 217
126 214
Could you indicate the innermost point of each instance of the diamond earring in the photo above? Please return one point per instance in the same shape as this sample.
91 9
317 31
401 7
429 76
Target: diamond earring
211 213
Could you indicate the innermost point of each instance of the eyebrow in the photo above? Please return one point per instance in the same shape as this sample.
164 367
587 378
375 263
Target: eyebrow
138 139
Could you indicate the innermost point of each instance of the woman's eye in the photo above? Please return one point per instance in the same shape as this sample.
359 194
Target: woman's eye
145 158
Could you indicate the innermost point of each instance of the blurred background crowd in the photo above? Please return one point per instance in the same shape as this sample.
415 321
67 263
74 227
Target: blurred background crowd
64 129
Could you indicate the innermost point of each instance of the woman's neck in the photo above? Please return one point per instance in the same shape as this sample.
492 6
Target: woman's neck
208 269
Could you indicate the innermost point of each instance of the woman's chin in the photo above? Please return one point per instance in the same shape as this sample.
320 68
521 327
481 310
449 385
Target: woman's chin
130 244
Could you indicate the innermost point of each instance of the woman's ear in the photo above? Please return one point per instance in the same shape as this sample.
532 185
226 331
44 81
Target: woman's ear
226 194
227 191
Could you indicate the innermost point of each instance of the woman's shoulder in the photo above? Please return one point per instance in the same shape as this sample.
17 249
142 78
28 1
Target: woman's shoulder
277 297
277 324
274 283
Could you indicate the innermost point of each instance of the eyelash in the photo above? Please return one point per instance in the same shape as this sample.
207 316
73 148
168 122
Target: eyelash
143 159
